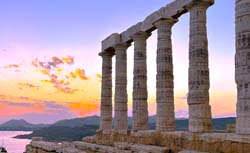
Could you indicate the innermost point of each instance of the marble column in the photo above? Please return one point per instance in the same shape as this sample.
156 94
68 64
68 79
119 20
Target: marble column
106 93
165 116
242 65
121 97
140 93
198 94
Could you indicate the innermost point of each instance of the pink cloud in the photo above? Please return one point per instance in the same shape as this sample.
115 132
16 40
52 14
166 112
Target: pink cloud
42 112
56 73
81 74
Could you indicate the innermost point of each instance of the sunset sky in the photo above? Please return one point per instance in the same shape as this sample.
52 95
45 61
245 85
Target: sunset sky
50 68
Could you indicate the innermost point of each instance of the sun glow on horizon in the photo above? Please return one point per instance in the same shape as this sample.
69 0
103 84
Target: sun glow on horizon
50 68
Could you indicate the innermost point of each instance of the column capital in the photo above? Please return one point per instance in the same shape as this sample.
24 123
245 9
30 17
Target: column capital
104 54
165 22
200 4
141 36
122 46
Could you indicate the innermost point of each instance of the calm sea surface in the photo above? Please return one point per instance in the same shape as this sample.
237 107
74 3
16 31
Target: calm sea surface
11 144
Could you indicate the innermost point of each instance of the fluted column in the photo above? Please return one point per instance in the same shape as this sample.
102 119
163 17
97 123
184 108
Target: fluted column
165 116
140 93
121 97
242 66
106 93
198 95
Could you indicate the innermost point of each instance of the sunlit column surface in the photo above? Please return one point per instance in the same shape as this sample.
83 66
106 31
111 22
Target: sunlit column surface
106 93
198 95
165 117
242 66
121 97
140 93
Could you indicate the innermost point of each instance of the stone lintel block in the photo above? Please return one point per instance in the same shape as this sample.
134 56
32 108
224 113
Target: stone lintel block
175 9
111 41
211 2
199 3
172 10
126 36
148 23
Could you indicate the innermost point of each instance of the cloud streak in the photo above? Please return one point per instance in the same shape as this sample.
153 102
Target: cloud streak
28 85
18 99
16 67
44 111
54 68
12 66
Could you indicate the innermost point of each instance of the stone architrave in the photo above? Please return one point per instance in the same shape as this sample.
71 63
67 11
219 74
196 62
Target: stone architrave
242 65
121 97
106 93
165 116
198 95
140 93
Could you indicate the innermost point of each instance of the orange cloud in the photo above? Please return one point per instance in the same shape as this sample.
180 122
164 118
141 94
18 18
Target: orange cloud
72 75
98 75
81 74
83 109
44 71
28 85
61 85
54 71
46 81
59 69
69 60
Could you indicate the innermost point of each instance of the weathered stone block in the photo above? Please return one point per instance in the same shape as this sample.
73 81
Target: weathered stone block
127 35
111 41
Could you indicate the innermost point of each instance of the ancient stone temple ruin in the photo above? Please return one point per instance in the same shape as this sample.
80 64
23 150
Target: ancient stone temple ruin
198 97
117 138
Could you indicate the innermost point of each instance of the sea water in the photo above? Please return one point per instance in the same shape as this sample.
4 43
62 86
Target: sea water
13 145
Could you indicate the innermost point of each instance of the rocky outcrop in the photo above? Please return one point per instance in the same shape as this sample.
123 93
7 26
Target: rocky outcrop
83 147
113 141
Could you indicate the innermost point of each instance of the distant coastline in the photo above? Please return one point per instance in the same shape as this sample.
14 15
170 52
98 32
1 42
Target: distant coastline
77 128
